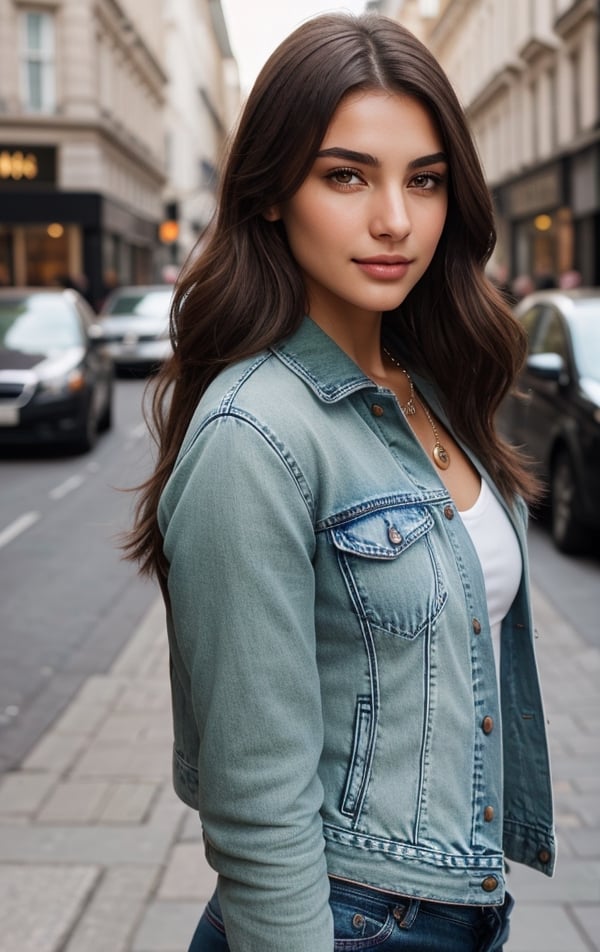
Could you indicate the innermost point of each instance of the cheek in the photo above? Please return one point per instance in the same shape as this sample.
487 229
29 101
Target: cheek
433 224
312 229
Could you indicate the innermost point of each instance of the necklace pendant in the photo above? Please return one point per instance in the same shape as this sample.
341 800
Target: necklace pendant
409 408
441 456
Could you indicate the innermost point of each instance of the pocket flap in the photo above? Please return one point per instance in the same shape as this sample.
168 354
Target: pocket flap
384 534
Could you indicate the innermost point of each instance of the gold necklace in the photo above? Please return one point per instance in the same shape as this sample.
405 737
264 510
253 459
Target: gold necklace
409 408
440 454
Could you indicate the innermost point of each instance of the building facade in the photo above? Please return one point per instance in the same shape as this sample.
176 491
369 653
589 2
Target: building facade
85 139
527 73
203 97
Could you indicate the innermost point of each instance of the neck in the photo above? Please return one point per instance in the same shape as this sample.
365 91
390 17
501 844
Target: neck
360 339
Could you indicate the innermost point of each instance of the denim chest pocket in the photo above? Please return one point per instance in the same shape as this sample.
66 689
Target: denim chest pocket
391 570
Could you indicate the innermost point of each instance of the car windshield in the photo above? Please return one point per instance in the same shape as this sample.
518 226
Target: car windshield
140 304
586 337
38 324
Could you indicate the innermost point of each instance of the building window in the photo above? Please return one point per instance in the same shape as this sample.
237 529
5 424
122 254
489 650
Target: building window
37 61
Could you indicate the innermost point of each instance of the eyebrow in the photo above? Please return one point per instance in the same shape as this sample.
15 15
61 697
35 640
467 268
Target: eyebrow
363 158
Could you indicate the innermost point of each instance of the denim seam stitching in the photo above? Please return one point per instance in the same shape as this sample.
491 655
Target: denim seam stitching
277 447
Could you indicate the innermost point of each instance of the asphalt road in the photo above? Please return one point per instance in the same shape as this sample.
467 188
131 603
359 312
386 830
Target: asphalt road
68 603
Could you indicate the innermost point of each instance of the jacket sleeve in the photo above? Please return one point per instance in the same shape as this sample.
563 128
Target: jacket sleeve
239 538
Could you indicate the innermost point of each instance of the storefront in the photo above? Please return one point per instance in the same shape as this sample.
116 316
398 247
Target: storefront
539 222
584 187
551 218
49 236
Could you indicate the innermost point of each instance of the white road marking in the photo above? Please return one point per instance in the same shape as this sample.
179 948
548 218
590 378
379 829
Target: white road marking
70 484
20 525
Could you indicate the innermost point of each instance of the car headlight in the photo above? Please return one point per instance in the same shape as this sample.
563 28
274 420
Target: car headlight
71 382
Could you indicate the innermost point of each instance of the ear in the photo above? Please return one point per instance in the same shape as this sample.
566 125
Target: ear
272 213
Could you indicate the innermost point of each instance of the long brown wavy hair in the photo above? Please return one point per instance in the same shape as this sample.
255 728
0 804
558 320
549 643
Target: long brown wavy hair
244 291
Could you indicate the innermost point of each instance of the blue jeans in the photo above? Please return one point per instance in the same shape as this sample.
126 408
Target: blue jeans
366 919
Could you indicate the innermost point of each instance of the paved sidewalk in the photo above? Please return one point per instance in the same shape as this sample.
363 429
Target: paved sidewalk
97 854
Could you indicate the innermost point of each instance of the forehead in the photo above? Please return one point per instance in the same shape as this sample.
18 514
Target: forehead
370 116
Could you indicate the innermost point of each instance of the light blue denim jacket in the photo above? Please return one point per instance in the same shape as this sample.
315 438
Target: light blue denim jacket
334 689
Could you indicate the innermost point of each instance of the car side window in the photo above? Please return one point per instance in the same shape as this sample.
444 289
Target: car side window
552 338
530 322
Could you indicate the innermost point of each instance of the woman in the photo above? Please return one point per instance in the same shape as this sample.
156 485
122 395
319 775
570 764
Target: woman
337 527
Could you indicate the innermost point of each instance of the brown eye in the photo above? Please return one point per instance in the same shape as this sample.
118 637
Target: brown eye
426 181
344 176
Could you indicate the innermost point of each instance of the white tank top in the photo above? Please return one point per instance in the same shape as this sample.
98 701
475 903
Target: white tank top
497 546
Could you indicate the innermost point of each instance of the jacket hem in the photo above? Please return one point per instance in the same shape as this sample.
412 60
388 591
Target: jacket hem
415 872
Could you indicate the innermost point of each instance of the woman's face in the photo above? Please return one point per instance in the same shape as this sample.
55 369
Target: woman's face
365 223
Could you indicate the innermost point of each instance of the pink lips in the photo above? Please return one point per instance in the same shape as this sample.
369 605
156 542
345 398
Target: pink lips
384 267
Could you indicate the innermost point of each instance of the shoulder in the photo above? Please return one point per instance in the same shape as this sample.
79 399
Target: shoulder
263 393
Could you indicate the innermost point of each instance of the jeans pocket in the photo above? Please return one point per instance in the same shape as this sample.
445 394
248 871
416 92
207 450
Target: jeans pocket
359 922
498 926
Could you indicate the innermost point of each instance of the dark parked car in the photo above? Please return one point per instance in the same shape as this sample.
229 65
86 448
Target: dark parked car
56 376
557 418
135 325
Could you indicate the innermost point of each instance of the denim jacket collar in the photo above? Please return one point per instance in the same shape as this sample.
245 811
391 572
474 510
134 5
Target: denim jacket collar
330 373
316 358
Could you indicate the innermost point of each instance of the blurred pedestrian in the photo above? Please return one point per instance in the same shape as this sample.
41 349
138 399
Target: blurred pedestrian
521 286
338 529
569 280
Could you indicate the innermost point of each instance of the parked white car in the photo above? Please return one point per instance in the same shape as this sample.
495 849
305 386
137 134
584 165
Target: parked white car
135 325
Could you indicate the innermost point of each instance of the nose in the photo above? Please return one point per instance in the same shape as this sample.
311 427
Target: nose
390 218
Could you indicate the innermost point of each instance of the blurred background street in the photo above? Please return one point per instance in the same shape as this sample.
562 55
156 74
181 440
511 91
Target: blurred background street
114 115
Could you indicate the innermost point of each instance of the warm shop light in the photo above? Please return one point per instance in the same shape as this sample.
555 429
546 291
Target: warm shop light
55 230
168 231
543 222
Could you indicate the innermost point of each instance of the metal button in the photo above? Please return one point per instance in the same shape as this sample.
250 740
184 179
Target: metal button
358 921
398 913
489 883
487 724
394 536
488 814
376 409
449 512
544 856
476 626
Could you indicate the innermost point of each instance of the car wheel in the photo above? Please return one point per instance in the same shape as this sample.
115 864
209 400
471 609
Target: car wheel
86 434
567 528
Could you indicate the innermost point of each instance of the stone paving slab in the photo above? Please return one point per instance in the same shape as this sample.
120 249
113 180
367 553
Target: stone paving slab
74 803
101 845
56 752
543 928
188 875
115 910
40 904
167 927
128 802
24 793
124 761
